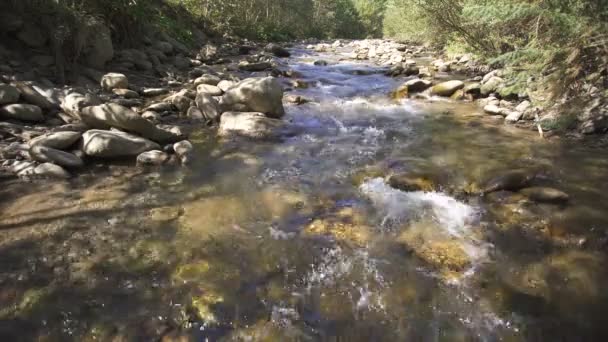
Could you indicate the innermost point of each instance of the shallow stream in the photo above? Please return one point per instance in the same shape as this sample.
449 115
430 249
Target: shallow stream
302 239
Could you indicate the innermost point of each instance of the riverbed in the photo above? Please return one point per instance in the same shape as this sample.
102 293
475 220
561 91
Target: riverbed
302 238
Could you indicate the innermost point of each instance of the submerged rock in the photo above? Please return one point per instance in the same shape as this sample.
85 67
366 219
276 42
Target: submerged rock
251 125
407 182
511 180
546 195
347 225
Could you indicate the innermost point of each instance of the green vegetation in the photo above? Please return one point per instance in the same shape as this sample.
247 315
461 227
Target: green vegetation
562 40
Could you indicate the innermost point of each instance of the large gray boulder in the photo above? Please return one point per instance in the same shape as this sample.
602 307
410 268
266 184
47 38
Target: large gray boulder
114 115
257 94
250 125
57 140
45 154
277 50
8 94
23 112
115 144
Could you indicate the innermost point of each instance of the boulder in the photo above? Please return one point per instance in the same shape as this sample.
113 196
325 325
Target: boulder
473 89
207 79
259 94
50 170
513 180
277 50
32 96
100 49
57 140
126 93
114 80
416 85
45 154
73 103
448 88
209 90
513 116
114 115
208 106
8 94
115 144
250 124
152 158
259 66
492 85
23 112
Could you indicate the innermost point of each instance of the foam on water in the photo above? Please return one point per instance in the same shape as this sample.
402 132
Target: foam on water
397 206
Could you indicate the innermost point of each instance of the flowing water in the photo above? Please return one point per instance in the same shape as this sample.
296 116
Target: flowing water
302 239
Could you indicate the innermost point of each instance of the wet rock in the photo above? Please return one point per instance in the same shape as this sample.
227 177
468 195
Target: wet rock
126 93
8 94
546 195
415 85
411 70
50 170
152 158
30 95
23 112
320 62
57 140
161 107
250 124
442 252
473 89
45 154
207 79
113 81
114 144
408 182
447 89
113 115
347 225
208 106
180 101
183 150
258 94
296 99
259 66
209 90
277 50
511 180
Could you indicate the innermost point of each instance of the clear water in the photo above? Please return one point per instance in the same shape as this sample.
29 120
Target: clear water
303 240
